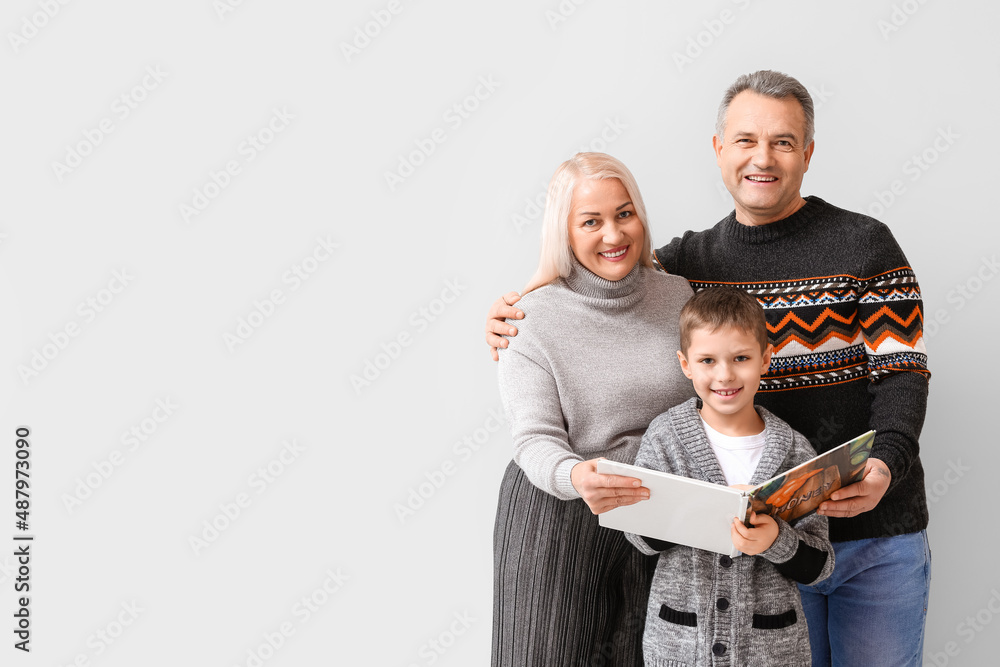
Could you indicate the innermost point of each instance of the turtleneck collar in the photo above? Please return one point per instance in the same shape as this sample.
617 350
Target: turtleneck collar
777 229
624 292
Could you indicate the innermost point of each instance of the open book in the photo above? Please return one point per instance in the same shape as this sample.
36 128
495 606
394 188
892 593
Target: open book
698 514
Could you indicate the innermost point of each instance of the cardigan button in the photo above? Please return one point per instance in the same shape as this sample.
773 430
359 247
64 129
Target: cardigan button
726 561
719 649
722 604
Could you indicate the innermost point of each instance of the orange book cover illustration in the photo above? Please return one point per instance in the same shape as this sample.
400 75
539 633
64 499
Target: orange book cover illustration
799 491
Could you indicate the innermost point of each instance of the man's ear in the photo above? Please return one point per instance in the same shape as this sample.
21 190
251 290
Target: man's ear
684 364
717 145
809 153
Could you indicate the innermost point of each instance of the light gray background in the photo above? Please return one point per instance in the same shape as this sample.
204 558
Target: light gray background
890 80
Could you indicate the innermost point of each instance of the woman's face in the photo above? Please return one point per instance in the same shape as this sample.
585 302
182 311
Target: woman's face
604 231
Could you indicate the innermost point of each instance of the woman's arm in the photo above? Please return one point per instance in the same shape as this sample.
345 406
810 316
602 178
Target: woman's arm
541 444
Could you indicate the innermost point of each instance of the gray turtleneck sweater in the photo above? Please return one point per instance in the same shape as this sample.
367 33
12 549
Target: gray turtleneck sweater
593 363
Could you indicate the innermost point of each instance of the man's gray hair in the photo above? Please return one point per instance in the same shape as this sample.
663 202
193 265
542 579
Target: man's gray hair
769 84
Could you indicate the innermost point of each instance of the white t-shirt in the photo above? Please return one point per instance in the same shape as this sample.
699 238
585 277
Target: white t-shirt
737 455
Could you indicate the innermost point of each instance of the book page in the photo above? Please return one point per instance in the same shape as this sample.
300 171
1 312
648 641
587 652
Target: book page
685 511
800 490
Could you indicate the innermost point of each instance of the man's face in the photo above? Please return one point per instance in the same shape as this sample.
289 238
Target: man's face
763 156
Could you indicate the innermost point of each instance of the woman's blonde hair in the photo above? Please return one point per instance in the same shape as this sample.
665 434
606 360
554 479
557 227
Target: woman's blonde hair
556 257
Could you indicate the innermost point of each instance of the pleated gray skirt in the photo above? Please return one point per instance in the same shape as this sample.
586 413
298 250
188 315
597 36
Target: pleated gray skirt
566 592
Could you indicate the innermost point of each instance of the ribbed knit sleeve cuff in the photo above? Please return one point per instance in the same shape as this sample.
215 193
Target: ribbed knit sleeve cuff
563 480
806 566
649 546
891 450
785 545
895 462
639 542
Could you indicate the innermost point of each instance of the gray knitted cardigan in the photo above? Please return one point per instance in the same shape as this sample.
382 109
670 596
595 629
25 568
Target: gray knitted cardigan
707 609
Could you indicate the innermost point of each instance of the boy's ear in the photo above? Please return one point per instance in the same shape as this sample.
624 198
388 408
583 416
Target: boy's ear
766 362
684 364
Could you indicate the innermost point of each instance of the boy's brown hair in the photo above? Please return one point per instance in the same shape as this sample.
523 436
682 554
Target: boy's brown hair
715 307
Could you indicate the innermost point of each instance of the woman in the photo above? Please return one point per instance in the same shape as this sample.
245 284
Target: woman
593 363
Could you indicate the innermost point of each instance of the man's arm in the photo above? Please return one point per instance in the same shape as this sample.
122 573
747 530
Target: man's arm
667 258
496 326
890 315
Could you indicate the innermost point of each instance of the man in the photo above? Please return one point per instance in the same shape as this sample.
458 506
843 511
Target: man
845 318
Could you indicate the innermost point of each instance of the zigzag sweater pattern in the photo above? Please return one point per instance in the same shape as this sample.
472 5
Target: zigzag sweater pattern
845 317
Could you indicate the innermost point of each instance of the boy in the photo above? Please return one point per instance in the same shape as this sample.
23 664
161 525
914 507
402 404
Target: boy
710 610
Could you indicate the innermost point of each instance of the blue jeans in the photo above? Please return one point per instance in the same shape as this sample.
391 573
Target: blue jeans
871 610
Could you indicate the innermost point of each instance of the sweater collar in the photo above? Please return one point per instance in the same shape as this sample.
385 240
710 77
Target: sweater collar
773 231
621 292
687 422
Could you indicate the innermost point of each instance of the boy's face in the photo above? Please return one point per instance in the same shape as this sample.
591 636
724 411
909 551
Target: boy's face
725 366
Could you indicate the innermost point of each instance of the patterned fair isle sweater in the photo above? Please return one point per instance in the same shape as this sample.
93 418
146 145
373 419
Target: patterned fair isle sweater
846 320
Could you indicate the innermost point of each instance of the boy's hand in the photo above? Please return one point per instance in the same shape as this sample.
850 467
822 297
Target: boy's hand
605 492
861 496
496 328
756 540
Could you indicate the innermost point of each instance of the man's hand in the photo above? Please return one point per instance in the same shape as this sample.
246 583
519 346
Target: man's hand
605 492
496 328
861 496
756 540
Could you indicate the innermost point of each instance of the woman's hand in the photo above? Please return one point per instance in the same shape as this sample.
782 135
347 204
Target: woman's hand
605 492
